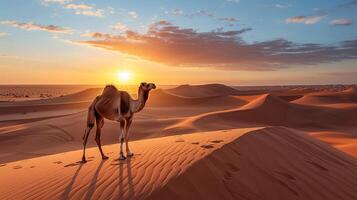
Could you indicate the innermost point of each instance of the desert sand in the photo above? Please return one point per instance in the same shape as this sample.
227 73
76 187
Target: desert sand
190 142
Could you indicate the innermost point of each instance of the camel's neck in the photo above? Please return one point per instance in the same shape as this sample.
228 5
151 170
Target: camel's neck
138 104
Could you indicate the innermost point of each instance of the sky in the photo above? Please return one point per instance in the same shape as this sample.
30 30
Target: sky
170 42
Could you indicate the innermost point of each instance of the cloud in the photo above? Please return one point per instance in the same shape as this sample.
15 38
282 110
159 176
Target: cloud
119 26
169 44
305 19
341 22
321 13
201 13
56 1
133 14
228 19
175 12
233 1
2 34
339 73
283 6
85 9
30 26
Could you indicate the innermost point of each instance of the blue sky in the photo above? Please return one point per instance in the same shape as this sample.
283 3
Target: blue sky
46 35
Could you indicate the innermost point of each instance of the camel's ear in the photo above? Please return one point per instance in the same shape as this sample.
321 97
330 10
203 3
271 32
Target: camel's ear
142 84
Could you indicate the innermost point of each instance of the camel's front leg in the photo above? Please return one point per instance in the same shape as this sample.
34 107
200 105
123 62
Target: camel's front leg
127 127
121 139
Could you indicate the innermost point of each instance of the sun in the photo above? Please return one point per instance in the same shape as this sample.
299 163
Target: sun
124 77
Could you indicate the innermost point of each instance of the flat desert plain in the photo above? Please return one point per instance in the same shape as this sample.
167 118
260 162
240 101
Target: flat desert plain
189 142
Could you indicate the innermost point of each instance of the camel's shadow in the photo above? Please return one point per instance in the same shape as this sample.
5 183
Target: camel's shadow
121 165
94 181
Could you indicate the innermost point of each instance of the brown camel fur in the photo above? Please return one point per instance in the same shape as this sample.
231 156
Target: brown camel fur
118 106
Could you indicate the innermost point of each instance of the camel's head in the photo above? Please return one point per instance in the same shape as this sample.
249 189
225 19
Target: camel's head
147 86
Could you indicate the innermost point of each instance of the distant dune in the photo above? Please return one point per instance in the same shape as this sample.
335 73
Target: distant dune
162 98
271 110
329 97
203 90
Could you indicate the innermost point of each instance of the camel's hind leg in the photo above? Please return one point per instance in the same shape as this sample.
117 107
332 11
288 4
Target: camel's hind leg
100 123
85 138
127 127
90 123
121 139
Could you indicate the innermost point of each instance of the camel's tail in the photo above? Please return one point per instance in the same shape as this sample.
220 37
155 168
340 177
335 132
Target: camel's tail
91 115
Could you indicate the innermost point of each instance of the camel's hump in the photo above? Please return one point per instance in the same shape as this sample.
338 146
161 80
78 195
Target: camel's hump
110 90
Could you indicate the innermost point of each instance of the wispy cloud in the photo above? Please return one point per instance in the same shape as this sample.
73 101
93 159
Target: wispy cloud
56 1
169 44
2 34
201 13
119 26
321 13
85 9
30 26
133 14
175 12
233 1
228 19
341 22
305 19
283 6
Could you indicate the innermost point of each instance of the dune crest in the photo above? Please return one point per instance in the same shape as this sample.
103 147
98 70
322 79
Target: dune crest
348 95
203 90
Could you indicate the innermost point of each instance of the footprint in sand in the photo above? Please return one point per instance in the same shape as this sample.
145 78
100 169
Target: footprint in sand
17 167
286 175
180 140
71 165
32 167
207 146
216 141
2 165
195 143
75 164
57 162
317 165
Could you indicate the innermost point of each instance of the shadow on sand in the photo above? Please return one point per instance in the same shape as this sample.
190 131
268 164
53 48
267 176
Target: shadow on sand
68 189
91 187
93 184
121 165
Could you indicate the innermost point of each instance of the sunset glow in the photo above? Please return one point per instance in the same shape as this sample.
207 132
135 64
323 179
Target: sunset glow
124 77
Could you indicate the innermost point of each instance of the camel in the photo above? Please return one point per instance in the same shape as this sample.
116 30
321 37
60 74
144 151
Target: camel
115 105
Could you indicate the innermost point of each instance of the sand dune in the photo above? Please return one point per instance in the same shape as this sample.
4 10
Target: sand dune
212 165
45 108
345 141
159 98
329 97
270 110
203 90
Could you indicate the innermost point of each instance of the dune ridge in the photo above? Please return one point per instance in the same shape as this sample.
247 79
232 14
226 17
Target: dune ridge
203 90
268 109
348 95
